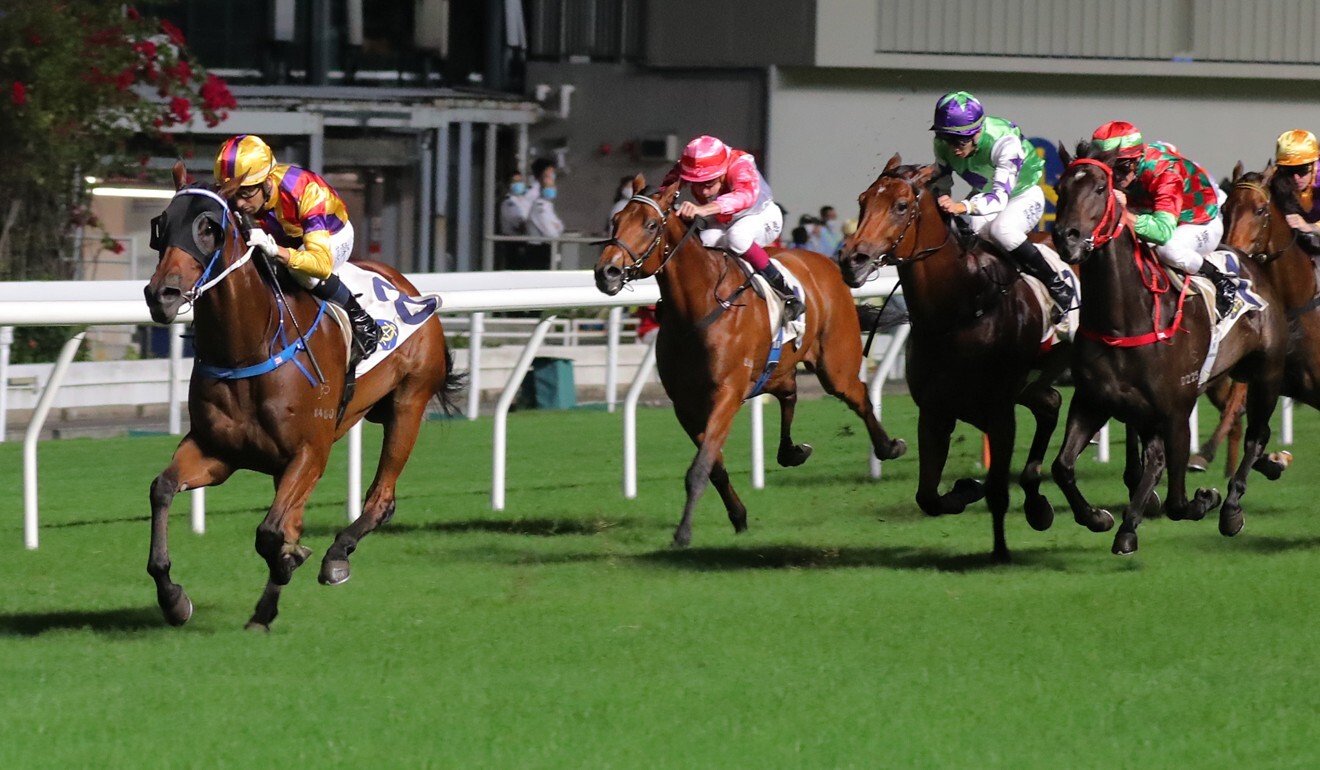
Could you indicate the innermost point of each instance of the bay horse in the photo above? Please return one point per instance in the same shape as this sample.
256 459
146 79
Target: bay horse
1140 354
281 422
975 342
715 339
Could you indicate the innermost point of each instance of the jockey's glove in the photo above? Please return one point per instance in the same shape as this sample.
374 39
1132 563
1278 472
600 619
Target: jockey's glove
260 239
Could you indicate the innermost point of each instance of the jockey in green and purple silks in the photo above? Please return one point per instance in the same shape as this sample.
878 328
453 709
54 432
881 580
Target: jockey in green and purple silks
1004 171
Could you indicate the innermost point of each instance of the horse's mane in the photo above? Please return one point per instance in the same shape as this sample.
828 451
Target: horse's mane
1282 191
1089 149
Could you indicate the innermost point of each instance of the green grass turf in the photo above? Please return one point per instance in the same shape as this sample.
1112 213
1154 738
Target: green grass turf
844 629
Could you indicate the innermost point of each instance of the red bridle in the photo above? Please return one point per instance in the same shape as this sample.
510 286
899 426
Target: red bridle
1112 219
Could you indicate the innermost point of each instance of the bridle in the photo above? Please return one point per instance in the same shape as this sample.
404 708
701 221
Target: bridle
1262 232
890 256
633 269
227 226
1111 224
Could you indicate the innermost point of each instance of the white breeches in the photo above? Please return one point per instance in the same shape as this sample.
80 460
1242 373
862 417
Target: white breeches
1009 227
1187 247
760 227
341 247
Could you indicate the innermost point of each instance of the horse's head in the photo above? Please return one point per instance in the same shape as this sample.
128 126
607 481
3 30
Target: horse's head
636 247
190 238
890 208
1087 214
1247 211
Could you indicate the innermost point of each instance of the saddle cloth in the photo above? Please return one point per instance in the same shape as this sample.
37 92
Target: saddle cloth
1066 329
793 330
397 314
1244 302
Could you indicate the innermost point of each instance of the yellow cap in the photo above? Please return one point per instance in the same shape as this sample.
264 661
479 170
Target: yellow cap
246 158
1296 148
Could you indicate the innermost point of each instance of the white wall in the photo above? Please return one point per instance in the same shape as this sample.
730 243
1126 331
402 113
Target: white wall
831 130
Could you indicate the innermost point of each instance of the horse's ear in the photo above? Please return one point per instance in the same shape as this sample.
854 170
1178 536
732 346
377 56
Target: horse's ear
924 175
180 175
893 163
1237 172
639 184
229 189
668 194
1269 172
1064 157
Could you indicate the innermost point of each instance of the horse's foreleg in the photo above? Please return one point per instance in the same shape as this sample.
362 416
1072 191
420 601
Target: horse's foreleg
279 533
189 469
710 443
1260 407
933 433
400 436
1044 402
1084 421
1153 464
1177 506
790 455
1001 432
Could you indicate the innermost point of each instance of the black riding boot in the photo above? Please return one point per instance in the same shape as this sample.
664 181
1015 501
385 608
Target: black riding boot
1033 262
1225 287
365 331
793 307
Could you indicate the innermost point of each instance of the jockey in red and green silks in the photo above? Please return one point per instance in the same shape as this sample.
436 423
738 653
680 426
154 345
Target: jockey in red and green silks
1004 171
1175 201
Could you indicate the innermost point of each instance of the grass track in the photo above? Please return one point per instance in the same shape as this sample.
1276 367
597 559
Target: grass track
844 630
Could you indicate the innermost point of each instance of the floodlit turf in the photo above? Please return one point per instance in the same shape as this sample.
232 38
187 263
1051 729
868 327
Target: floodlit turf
844 629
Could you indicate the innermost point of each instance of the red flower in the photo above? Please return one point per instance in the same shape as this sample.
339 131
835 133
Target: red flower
124 79
181 71
117 247
180 109
132 13
216 95
146 48
176 34
19 94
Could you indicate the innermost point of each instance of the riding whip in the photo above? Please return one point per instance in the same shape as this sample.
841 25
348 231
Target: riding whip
284 302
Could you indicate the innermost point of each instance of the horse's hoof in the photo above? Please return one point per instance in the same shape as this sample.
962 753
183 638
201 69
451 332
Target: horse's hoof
1205 500
296 554
1197 464
334 572
1231 522
1040 514
1273 465
897 448
178 610
681 540
257 625
794 456
968 491
1153 506
1125 543
1099 520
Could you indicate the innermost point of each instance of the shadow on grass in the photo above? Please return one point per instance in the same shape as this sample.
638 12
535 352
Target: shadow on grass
530 527
124 619
817 558
1267 544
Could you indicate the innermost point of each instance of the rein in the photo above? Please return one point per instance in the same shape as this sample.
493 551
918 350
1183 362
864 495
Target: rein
632 270
890 257
1154 277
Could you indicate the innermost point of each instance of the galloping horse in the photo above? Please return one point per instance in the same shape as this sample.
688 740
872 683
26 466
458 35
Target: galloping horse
281 422
715 339
976 338
1141 354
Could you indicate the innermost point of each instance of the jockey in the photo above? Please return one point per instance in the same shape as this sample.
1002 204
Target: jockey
1175 201
992 156
744 219
301 223
1295 156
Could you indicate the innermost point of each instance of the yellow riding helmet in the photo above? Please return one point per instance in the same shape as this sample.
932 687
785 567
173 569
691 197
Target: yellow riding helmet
246 158
1296 148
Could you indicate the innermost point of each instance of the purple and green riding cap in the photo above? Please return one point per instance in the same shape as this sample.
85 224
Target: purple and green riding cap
958 113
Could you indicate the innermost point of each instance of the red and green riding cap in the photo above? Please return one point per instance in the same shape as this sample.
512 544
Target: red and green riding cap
1120 136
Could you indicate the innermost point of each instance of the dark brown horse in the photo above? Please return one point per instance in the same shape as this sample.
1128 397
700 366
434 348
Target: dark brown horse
714 340
976 339
281 422
1139 358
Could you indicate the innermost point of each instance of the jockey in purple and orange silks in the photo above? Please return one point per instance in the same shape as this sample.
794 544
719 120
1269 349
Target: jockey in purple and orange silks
744 218
1175 201
1295 156
301 223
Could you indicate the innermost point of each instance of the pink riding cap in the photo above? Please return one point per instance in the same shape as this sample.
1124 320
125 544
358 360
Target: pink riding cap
705 158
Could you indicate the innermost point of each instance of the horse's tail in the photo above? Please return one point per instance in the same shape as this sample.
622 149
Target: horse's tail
455 383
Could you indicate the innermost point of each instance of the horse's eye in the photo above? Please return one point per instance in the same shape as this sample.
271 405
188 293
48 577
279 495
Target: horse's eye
1099 189
1260 212
901 206
651 225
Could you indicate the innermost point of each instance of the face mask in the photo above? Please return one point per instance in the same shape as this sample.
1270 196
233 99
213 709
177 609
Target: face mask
548 193
518 188
625 191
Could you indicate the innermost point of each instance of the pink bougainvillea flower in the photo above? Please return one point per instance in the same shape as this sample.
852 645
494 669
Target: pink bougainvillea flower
18 94
175 34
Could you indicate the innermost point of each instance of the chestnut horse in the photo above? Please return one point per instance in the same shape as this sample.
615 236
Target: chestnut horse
1140 354
976 339
281 422
715 340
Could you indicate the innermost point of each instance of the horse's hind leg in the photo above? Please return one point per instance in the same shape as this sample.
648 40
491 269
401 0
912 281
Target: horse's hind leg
933 434
845 386
1083 422
1177 506
1260 407
1153 465
1044 402
709 439
402 427
278 534
1001 432
790 455
189 469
